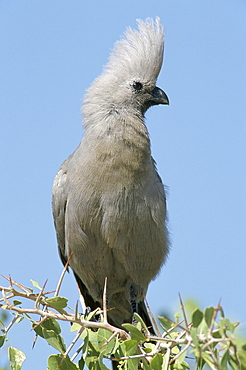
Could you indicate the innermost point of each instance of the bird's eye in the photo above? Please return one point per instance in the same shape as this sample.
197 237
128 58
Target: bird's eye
137 86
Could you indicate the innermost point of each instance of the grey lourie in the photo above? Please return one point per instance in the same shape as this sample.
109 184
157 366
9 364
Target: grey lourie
109 202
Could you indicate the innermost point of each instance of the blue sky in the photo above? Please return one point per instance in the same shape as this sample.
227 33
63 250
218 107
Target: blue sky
50 53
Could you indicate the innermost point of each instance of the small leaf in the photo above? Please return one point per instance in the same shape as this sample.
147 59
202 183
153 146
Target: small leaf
49 330
35 284
100 360
91 314
197 317
136 334
208 315
57 302
128 347
148 347
51 324
233 362
103 336
16 358
242 356
140 320
75 327
132 364
165 322
59 362
2 340
156 362
208 360
225 359
16 303
19 318
230 326
193 333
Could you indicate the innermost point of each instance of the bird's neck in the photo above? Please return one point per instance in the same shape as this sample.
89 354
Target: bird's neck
120 141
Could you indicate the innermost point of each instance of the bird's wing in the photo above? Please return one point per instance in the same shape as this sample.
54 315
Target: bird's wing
59 203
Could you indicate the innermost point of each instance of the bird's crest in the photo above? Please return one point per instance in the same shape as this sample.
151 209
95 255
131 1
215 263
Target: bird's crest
140 50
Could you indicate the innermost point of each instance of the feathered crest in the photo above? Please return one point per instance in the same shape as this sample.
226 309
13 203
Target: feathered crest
140 50
137 56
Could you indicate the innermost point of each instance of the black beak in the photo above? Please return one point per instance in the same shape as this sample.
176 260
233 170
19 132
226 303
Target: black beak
158 96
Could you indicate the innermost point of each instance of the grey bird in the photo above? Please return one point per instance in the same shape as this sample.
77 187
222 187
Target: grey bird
108 200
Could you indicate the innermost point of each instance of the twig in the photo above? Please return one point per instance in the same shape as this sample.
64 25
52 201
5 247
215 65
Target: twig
168 354
180 352
71 318
76 310
62 276
39 295
17 284
183 311
152 318
17 293
11 324
74 341
105 301
109 340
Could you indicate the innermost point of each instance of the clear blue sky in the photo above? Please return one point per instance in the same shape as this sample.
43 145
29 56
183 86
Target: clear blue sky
50 53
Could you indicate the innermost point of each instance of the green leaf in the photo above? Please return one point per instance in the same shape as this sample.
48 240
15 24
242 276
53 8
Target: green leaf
193 333
132 364
197 317
2 340
59 362
145 364
208 360
16 303
129 347
49 330
208 315
55 340
148 347
156 362
50 324
103 336
165 322
136 334
140 320
224 359
242 356
92 362
16 358
57 302
75 327
91 314
19 318
233 362
100 361
35 284
230 326
181 357
81 363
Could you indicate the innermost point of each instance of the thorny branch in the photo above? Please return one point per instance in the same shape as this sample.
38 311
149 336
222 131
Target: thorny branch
163 344
49 311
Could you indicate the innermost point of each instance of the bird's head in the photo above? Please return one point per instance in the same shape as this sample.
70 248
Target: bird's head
128 81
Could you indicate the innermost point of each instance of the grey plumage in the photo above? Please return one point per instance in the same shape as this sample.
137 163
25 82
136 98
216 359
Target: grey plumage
108 200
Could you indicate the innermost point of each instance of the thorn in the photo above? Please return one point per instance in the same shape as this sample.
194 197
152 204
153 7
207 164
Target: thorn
76 310
105 301
40 293
62 276
183 311
152 319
